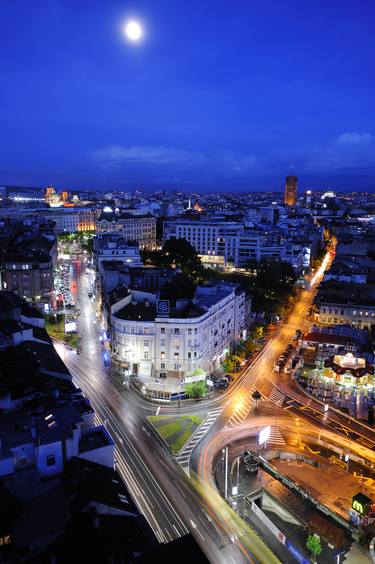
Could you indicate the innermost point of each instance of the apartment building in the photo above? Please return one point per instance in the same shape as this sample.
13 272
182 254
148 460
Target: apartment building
28 268
72 219
110 247
346 303
152 339
139 228
231 244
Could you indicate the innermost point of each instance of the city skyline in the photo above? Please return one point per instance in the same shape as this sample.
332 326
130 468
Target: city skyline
226 104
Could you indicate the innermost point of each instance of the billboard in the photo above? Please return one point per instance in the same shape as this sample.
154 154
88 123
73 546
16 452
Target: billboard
70 326
195 378
264 434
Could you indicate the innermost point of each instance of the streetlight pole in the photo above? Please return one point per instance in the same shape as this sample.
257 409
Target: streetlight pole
226 473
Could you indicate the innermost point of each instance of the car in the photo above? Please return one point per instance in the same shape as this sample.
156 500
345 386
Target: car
290 347
221 384
228 377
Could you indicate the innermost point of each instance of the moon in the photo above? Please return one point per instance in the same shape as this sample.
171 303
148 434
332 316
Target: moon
133 30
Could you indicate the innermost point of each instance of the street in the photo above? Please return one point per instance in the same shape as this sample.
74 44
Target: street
172 503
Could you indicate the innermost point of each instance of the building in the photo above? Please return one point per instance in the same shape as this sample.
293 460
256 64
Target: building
28 268
344 303
114 247
152 339
290 198
73 219
230 244
139 228
349 369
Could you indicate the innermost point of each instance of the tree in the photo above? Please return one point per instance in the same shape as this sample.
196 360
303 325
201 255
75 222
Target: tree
181 286
228 364
258 332
177 253
181 254
196 390
314 546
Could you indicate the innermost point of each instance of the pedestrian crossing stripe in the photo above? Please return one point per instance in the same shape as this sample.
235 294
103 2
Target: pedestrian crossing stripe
183 458
276 437
277 397
243 411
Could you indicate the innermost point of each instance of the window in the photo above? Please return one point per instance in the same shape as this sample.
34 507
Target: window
162 330
189 354
50 460
189 331
5 540
162 366
176 355
177 331
177 366
145 343
145 354
162 354
195 331
162 342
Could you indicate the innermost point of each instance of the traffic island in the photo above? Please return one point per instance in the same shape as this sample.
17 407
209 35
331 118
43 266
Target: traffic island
55 327
175 431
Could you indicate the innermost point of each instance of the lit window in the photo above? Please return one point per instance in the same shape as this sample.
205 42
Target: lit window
50 460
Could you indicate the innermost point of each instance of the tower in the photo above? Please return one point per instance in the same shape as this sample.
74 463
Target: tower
290 198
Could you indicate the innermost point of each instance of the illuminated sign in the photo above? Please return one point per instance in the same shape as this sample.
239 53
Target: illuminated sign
264 435
361 503
163 308
70 326
358 507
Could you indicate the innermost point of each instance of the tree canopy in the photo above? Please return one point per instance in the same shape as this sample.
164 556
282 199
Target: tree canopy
181 286
177 253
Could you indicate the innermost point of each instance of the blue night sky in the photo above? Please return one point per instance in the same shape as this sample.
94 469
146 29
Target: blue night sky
223 94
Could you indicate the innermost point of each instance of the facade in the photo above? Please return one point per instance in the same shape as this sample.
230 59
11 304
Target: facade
73 220
114 247
194 334
336 313
230 244
139 228
290 198
343 303
28 268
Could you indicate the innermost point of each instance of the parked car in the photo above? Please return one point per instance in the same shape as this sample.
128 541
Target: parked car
222 384
229 377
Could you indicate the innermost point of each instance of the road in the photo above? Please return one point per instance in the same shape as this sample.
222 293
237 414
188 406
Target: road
161 490
172 503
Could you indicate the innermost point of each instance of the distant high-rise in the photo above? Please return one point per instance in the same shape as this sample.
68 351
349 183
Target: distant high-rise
290 191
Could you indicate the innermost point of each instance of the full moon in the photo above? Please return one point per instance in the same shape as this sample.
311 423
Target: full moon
133 30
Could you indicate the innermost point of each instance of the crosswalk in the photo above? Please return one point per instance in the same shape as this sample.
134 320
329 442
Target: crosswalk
276 438
277 397
291 325
243 409
183 458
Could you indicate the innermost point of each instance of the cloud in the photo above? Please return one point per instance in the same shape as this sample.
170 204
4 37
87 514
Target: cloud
222 160
354 138
118 155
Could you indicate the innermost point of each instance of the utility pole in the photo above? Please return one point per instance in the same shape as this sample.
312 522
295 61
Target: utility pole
226 473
